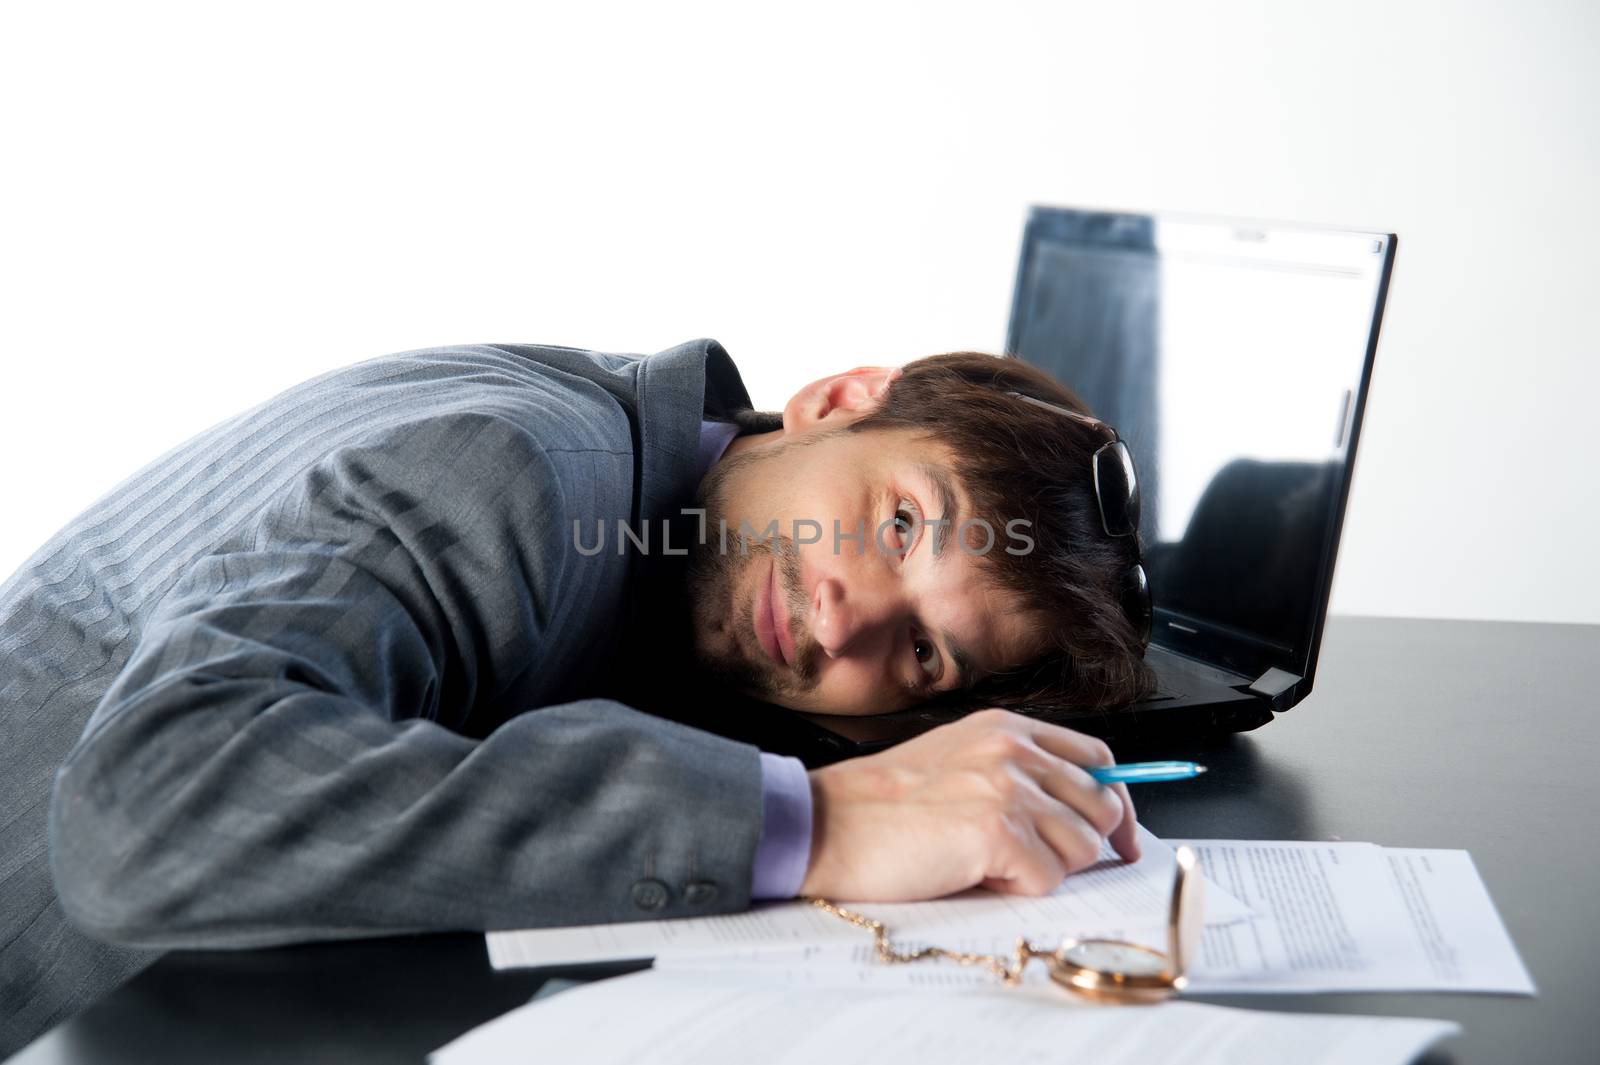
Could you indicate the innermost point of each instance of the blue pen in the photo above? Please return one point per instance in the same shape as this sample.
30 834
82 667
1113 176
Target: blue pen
1145 772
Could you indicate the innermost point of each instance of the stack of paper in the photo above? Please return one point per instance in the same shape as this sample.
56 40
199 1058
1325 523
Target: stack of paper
1329 917
788 982
1281 917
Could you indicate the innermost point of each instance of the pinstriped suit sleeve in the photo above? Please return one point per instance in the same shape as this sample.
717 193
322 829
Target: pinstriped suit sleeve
286 755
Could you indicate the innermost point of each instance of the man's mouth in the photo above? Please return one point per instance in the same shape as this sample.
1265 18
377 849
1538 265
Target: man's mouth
772 618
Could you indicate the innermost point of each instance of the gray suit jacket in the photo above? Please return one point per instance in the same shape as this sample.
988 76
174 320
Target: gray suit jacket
276 686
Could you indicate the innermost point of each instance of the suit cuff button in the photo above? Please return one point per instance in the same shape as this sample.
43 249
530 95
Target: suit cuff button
700 893
650 894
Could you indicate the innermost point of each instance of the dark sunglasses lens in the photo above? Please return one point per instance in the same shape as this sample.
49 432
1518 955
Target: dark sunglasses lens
1118 487
1136 603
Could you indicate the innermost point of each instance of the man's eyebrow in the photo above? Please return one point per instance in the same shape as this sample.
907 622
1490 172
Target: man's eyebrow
945 488
963 660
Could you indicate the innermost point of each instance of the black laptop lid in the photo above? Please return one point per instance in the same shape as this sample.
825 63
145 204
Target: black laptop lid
1234 357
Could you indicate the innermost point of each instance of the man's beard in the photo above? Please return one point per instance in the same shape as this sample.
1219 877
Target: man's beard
717 567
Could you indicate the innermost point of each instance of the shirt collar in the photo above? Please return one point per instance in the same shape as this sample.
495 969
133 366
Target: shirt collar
714 440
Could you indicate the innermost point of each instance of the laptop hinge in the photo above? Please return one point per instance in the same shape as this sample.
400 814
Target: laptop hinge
1273 685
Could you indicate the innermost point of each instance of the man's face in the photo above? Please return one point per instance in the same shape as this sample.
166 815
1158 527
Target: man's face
861 628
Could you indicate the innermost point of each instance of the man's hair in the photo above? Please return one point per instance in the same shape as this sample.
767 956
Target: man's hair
1017 460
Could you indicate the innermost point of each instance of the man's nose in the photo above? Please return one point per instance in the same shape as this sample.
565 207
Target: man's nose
849 614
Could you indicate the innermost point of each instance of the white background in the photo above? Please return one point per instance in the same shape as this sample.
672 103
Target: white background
204 204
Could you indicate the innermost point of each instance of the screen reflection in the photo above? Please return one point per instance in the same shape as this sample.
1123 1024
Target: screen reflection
1229 357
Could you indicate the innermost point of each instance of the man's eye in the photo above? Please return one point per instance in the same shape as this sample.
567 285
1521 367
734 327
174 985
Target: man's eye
927 657
906 519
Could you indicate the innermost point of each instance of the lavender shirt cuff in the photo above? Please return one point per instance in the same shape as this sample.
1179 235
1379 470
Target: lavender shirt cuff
784 852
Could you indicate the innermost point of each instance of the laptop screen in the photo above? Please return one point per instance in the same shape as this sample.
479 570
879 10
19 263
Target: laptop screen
1233 357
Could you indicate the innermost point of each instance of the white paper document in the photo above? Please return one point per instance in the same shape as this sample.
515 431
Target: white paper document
1282 917
1353 917
1332 917
1108 899
688 1019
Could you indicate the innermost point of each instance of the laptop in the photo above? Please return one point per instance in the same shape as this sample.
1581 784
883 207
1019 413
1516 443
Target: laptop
1234 358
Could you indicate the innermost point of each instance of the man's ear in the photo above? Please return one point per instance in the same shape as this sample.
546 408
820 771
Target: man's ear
834 402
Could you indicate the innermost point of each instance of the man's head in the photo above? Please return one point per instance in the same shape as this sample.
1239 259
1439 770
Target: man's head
915 535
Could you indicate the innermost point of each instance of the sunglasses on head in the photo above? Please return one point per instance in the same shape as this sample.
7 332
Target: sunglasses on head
1116 490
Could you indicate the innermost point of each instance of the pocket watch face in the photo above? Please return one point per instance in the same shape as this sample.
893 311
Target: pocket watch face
1107 956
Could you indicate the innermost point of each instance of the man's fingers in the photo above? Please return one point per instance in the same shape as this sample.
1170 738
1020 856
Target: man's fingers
1095 803
1074 839
1125 840
1108 808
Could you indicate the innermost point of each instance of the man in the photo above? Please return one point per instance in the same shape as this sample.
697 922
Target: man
339 666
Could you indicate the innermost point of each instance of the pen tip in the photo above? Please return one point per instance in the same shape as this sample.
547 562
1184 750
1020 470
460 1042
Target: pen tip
1199 769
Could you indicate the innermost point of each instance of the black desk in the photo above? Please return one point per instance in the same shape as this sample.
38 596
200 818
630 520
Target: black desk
1418 734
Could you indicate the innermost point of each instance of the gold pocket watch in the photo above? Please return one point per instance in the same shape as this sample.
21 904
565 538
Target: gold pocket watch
1105 970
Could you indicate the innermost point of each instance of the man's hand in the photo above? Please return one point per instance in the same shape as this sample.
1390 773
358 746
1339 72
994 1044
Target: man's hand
995 799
